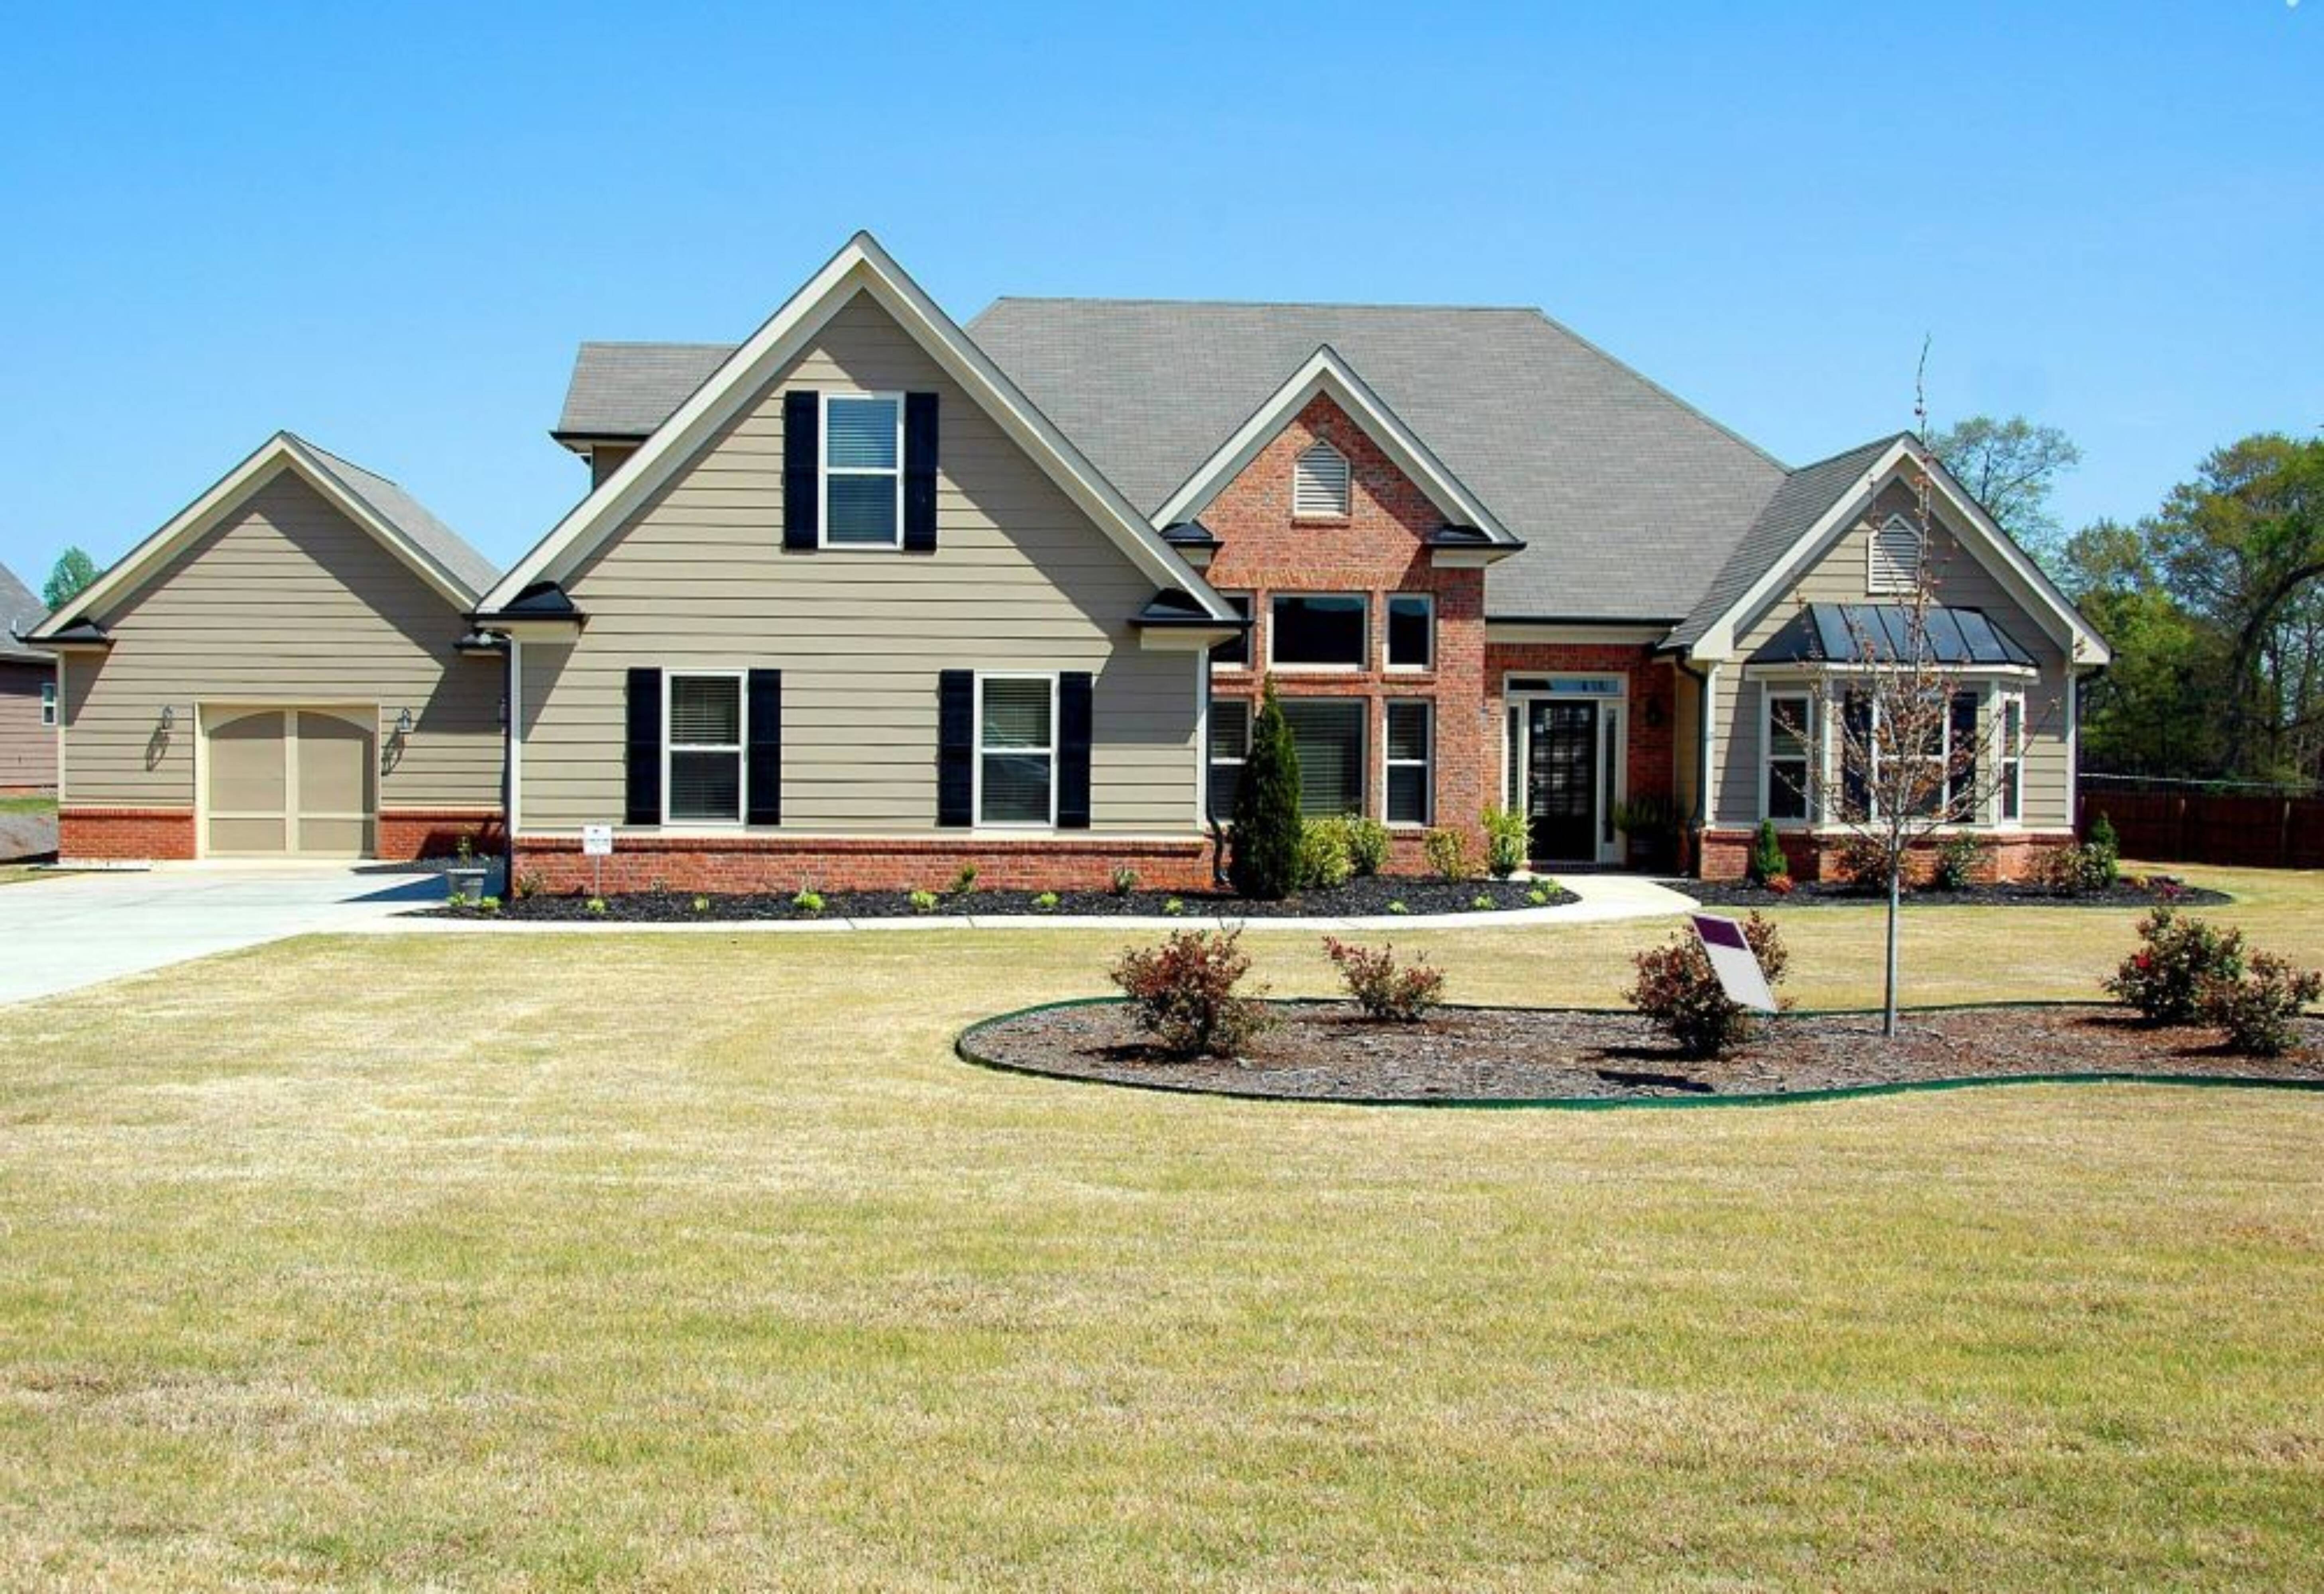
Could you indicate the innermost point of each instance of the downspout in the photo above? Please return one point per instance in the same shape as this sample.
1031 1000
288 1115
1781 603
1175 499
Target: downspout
1702 810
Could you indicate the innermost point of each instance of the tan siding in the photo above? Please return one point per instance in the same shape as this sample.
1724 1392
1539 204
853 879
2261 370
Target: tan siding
28 749
1962 581
1021 580
286 601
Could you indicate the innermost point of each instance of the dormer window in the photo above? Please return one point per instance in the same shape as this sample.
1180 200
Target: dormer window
1319 484
1895 557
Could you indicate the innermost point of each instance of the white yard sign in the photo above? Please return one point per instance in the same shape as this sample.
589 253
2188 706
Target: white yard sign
596 841
1731 960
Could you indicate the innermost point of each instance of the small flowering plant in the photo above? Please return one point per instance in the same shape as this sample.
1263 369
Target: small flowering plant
2177 960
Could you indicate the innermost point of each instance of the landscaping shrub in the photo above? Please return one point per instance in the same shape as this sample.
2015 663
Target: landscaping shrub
963 884
1863 865
2075 872
923 901
1780 885
2103 842
1386 990
1047 902
1184 994
1508 839
1125 879
1678 989
809 903
1450 852
2178 959
702 904
595 905
2260 1006
1323 861
1767 859
1959 862
1367 844
1263 854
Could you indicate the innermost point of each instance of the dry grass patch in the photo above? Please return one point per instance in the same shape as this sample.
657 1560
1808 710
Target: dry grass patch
698 1261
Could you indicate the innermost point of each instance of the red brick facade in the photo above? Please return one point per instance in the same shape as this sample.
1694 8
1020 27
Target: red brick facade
780 863
1653 701
1815 855
1375 549
168 835
435 833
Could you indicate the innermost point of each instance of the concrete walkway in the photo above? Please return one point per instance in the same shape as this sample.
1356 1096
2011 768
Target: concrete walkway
61 934
1602 898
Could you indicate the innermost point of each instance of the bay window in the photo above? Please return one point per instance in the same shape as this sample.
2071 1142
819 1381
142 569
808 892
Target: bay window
1789 740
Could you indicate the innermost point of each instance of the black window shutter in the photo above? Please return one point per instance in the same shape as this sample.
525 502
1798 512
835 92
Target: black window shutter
642 747
920 472
764 768
1076 717
802 468
956 747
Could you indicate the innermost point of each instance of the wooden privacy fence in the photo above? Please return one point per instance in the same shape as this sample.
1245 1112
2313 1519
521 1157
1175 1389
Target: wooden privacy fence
2254 831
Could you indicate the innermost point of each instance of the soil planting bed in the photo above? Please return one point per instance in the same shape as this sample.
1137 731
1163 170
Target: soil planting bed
1357 898
1326 1051
2126 893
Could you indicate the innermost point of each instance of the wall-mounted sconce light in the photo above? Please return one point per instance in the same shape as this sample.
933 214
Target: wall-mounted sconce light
169 716
404 722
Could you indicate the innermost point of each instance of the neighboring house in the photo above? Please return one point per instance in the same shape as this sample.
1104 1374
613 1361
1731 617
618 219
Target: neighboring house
285 669
872 597
28 696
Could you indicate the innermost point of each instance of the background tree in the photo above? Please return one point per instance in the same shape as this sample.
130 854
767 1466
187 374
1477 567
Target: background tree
72 575
2009 466
1263 854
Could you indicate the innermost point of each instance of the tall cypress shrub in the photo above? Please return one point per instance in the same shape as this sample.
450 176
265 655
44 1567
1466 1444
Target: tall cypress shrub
1263 861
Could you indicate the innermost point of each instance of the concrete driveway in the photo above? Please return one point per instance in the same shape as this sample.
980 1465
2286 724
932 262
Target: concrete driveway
74 930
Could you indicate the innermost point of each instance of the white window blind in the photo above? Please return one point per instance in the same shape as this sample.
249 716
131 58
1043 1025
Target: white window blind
1017 750
1319 481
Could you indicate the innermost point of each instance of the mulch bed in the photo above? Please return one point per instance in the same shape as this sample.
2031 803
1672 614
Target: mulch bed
1324 1050
1358 898
2147 892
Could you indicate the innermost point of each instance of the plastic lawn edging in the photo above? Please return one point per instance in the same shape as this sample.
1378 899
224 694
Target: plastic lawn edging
964 1049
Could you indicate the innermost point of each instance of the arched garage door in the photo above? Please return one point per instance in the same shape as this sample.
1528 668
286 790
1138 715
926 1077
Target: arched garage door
289 782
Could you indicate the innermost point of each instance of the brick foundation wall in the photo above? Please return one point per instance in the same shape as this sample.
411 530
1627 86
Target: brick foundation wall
122 833
1812 856
775 863
406 834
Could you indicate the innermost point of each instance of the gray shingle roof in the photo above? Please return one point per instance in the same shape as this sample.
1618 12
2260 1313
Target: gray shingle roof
408 515
20 612
1628 499
625 390
1799 501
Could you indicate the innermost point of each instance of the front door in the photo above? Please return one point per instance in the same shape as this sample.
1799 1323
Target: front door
1562 780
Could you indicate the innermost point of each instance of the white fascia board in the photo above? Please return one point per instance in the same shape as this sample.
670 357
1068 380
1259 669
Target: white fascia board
863 266
1326 373
281 451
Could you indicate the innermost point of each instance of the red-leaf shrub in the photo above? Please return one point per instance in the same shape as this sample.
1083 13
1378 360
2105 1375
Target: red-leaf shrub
1677 988
1184 993
2177 958
2259 1007
1781 885
1400 993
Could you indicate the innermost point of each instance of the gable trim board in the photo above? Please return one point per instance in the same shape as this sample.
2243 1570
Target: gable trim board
863 267
2084 647
1327 374
283 451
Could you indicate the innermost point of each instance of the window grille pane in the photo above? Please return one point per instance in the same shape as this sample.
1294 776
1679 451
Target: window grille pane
704 711
1309 629
1329 736
860 433
1016 788
1787 728
861 508
1229 729
705 786
1016 714
1788 789
1407 732
1408 642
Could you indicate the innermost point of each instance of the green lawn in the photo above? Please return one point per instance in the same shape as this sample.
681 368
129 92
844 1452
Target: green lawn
28 805
685 1262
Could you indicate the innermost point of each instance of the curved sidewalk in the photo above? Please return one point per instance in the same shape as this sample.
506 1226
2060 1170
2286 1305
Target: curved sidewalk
1603 897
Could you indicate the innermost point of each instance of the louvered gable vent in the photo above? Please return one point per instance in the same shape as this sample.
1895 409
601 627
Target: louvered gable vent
1895 557
1319 483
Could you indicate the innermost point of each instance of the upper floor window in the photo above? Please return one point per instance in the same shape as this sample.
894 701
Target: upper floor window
863 470
48 705
1319 484
1895 557
1318 630
1411 627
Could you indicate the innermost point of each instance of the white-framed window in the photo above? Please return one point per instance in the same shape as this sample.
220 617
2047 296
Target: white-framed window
1948 790
863 470
1319 631
1017 750
1894 556
48 706
2009 754
1328 734
1235 654
1789 741
1230 751
1411 630
1411 749
702 748
1319 484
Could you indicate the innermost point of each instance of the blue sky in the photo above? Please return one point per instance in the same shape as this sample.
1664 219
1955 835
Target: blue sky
387 226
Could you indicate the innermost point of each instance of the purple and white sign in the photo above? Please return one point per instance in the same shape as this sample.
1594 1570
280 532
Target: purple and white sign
1731 960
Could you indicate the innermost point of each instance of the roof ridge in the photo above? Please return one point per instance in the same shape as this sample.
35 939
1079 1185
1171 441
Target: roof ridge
653 343
1262 304
1627 369
1876 443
